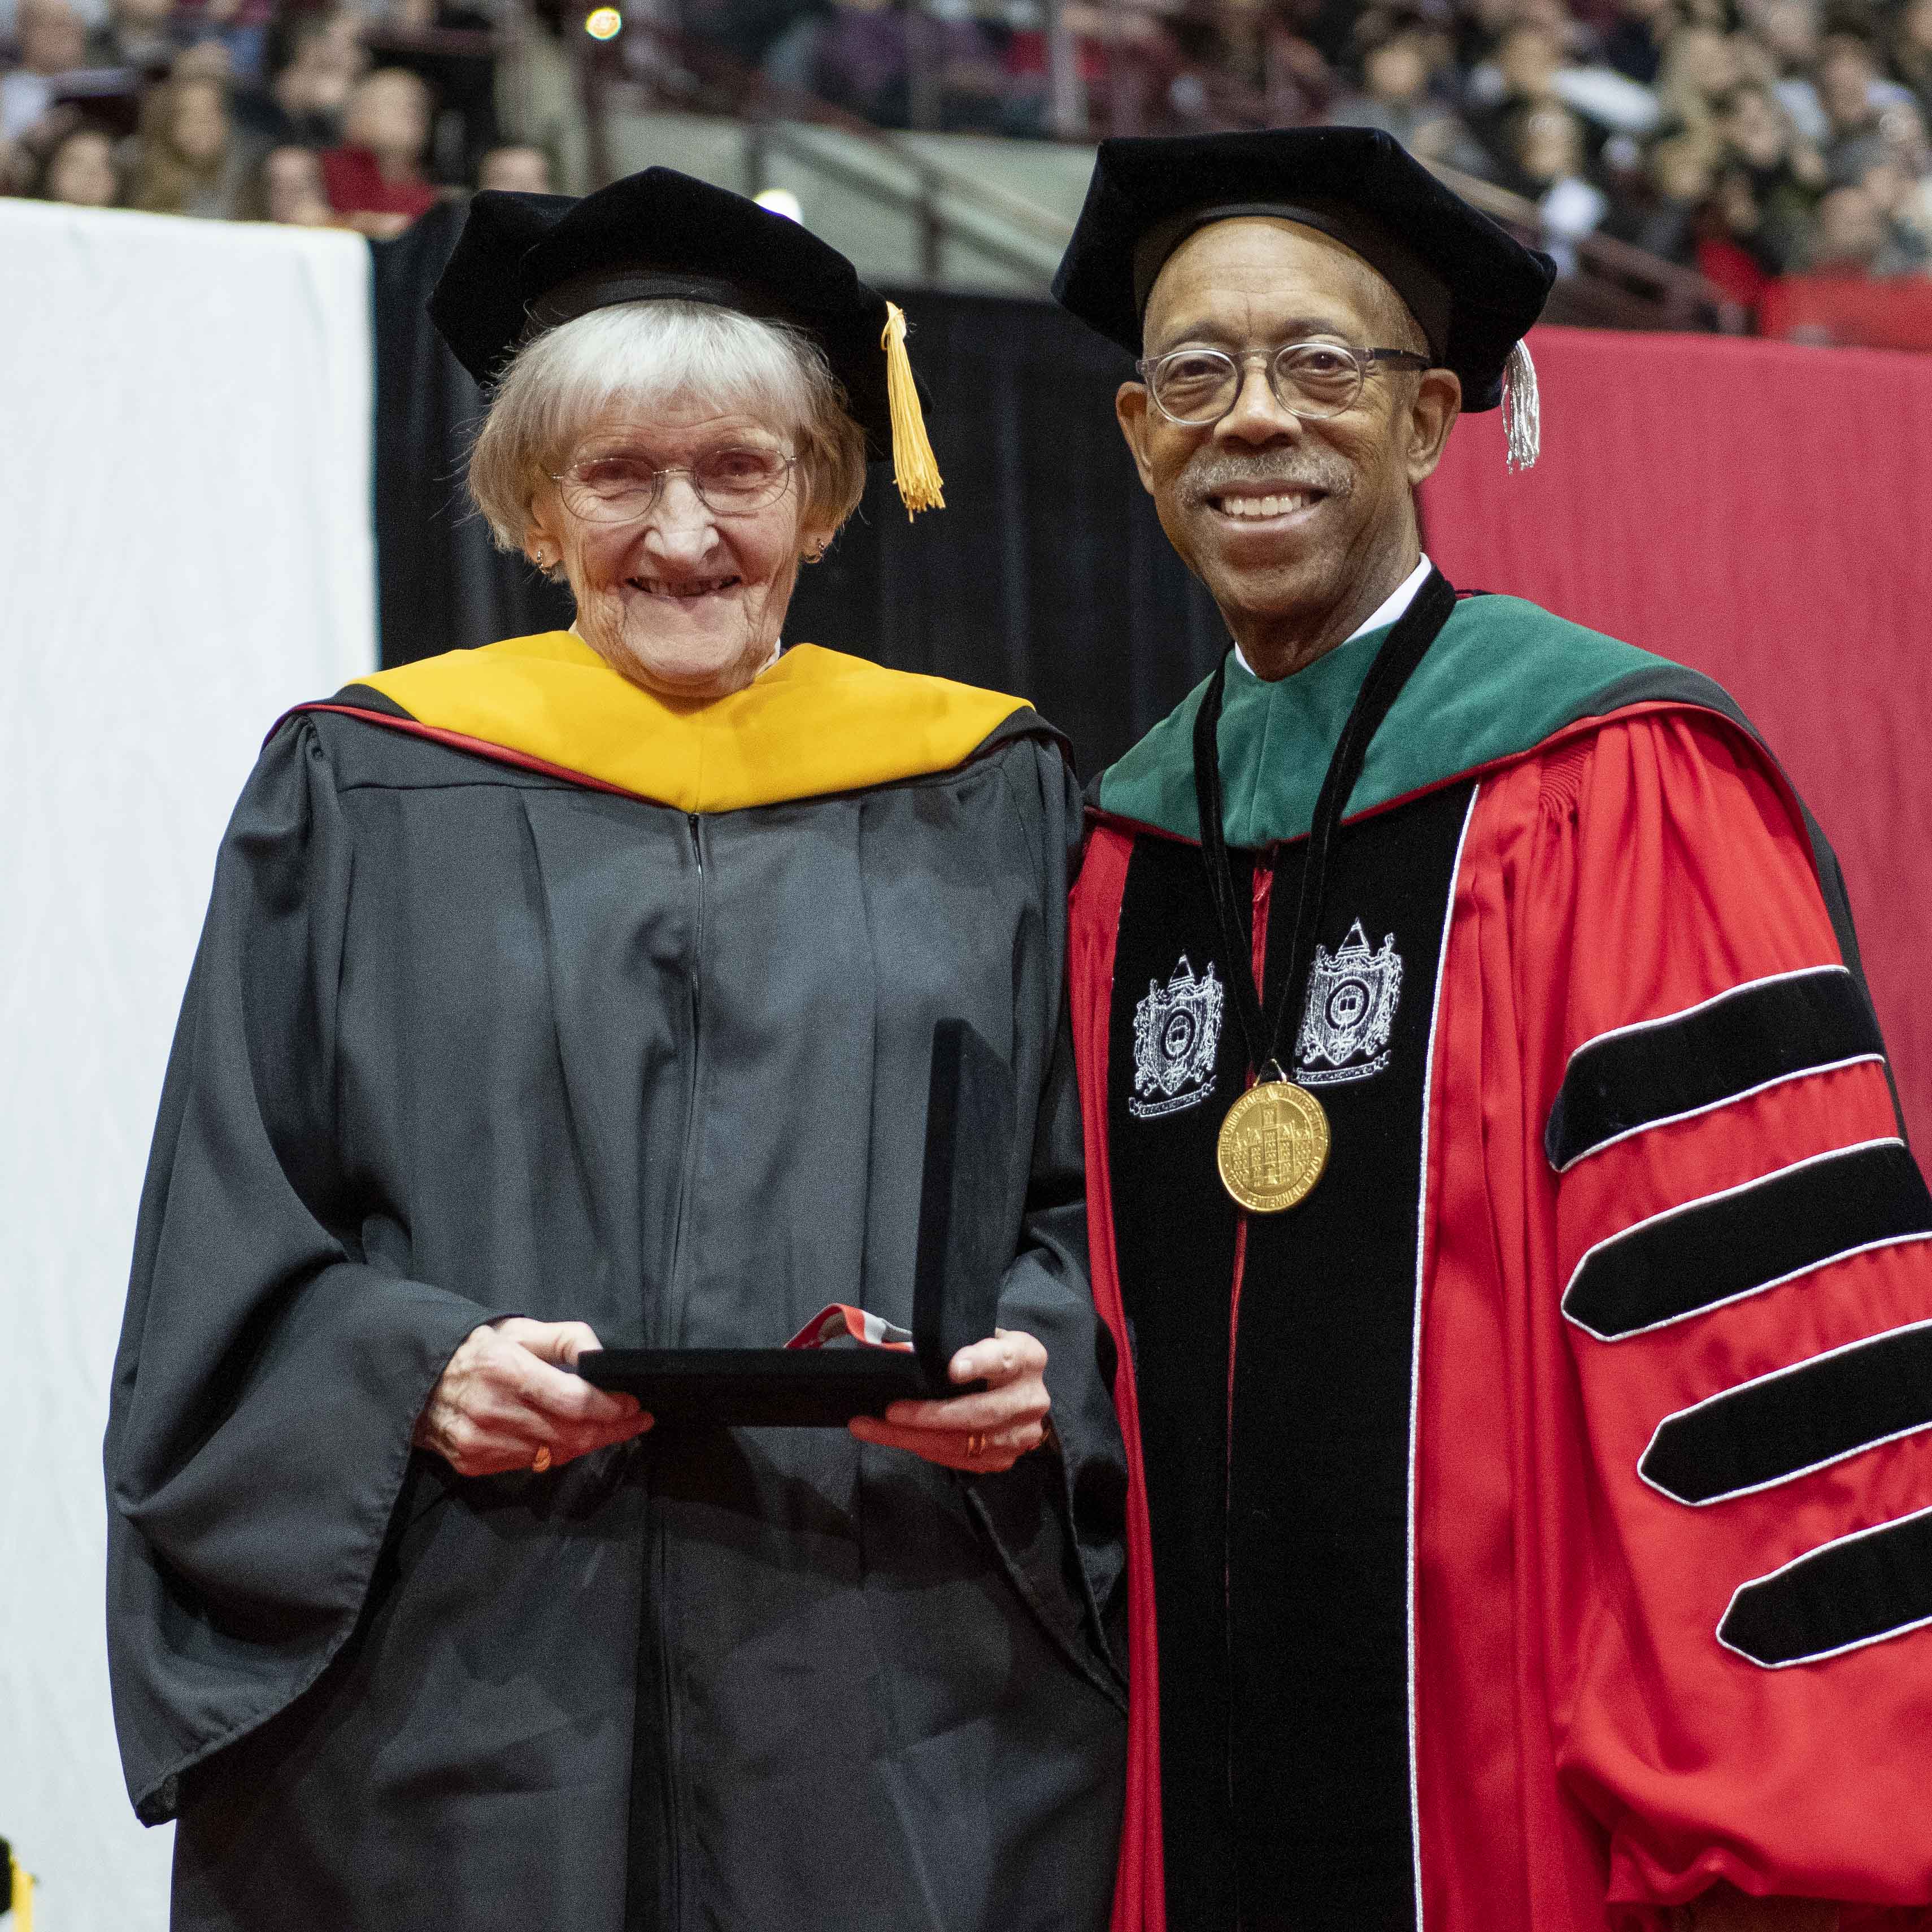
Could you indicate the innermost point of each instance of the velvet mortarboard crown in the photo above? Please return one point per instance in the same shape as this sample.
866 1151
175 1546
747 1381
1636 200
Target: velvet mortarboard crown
526 262
1472 287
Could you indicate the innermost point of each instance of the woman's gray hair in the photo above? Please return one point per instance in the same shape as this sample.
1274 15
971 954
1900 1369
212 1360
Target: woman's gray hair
655 355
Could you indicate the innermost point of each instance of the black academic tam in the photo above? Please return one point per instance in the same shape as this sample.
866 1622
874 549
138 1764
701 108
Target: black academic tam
526 262
1472 286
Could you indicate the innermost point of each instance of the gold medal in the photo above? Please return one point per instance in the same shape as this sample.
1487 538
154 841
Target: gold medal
1273 1147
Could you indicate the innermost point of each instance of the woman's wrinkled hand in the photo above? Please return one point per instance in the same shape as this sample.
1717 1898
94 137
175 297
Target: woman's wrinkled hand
507 1396
979 1433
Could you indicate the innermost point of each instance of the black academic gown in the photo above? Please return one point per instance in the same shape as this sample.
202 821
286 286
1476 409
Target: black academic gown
465 1039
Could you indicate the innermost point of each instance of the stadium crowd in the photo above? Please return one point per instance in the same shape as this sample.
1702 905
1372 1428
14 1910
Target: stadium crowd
243 110
1753 139
1750 138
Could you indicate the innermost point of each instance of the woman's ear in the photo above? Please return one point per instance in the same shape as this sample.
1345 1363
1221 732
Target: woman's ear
814 540
543 536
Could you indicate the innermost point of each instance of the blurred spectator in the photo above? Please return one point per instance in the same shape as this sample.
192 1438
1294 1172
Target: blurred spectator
136 34
460 73
1520 75
52 45
901 66
188 157
375 178
287 187
1700 68
1661 209
520 169
750 30
1849 92
1911 50
1787 30
1549 155
80 170
313 59
1634 46
1397 96
1770 183
1849 234
1528 71
1877 167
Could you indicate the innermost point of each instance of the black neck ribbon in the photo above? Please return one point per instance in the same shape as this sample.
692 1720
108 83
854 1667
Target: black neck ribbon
1401 651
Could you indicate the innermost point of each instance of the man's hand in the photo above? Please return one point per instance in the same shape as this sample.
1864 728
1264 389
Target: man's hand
505 1396
979 1433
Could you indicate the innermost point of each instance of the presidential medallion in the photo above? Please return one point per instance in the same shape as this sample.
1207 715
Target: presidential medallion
1273 1147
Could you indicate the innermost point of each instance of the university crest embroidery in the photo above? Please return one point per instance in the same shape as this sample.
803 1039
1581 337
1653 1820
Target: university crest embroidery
1352 996
1177 1028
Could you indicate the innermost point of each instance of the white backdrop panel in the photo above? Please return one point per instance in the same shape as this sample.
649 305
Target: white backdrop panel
186 550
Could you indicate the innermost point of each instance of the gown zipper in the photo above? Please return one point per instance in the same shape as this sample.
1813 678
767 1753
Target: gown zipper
687 1152
667 1689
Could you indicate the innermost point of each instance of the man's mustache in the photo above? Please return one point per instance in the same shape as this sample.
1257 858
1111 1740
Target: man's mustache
1214 474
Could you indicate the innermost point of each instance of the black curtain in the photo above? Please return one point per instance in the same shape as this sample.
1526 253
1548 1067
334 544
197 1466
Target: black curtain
441 585
1047 574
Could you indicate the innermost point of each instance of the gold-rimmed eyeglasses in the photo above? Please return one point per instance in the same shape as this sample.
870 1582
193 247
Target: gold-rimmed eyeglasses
618 486
1195 387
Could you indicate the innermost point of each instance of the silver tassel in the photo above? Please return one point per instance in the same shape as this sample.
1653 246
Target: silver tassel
1522 414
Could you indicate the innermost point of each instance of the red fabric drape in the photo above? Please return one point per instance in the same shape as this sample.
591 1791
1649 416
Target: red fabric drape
1761 511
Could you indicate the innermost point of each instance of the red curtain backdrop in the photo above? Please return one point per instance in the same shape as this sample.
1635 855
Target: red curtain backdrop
1761 511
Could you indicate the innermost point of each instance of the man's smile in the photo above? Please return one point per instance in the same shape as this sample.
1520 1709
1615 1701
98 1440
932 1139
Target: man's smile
1252 502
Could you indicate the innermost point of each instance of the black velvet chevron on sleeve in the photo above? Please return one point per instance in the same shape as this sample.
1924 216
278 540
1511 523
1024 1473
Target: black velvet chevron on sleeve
1751 1037
1796 1419
1839 1597
1730 1245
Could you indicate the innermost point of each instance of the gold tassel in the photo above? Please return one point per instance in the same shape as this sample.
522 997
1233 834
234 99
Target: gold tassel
20 1893
915 469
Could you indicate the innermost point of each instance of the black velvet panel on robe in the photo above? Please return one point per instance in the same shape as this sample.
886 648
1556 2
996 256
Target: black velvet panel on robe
1278 1489
462 1041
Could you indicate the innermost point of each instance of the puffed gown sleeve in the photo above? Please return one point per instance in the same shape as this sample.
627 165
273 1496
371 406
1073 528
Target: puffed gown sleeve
270 1367
1741 1308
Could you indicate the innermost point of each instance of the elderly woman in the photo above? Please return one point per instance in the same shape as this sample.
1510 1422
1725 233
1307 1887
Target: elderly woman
583 987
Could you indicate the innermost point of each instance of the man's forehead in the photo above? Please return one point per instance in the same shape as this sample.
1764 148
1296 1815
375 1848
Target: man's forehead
1267 272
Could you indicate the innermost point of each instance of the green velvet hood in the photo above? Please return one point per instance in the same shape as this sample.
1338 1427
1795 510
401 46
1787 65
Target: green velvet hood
1502 675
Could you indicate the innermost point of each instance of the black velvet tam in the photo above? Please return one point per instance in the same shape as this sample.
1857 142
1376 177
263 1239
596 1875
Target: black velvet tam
1473 287
525 262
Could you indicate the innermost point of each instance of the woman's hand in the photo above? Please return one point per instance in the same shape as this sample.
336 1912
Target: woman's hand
979 1433
505 1402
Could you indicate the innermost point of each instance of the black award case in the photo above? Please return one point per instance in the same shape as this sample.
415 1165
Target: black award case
963 1247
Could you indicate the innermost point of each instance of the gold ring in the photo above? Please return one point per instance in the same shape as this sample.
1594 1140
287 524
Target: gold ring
975 1443
540 1461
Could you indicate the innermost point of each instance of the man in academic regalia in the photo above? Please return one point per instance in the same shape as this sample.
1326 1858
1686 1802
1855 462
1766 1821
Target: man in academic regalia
1521 1285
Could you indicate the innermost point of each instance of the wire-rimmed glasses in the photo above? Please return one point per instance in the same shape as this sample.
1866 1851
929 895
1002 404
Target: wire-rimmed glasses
1196 386
618 486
